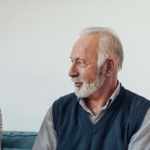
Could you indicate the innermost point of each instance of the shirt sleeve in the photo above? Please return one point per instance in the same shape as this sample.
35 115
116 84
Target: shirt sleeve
141 139
47 136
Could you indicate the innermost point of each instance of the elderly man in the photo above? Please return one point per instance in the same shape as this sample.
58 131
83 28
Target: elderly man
102 114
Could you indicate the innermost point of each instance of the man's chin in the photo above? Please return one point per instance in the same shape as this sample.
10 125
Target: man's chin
80 93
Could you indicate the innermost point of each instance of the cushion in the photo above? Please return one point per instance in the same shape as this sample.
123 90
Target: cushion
0 128
14 149
15 140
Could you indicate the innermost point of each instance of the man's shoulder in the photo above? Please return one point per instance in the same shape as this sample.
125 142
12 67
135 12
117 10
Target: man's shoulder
135 96
63 107
135 99
66 100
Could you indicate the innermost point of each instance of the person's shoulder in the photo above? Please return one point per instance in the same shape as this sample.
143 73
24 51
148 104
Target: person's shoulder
134 95
63 106
66 99
135 98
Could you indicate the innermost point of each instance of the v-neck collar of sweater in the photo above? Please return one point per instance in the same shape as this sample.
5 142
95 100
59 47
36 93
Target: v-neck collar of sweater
109 114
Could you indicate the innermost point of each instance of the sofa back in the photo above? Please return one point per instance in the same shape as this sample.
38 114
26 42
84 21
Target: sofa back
17 140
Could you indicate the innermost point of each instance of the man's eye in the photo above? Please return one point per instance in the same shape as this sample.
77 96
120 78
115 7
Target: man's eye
81 64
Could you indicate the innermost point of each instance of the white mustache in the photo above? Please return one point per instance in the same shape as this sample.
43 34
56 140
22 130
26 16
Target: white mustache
77 79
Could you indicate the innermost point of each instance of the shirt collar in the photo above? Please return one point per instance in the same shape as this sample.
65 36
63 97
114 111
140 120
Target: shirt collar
116 92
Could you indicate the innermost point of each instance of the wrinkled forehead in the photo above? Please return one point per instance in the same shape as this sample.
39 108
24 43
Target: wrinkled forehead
86 46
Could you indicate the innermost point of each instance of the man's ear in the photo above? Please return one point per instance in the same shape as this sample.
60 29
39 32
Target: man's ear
109 66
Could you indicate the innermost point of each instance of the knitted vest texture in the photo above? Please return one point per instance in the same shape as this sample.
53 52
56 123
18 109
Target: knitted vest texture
112 132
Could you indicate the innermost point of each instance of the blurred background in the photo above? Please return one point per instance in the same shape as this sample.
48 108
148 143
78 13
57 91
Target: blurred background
36 39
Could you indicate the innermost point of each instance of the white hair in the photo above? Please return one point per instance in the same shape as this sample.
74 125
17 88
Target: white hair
109 45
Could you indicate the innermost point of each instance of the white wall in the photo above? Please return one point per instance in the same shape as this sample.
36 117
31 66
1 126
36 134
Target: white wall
36 38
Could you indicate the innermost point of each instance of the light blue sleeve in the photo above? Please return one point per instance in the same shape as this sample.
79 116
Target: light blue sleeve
141 139
47 136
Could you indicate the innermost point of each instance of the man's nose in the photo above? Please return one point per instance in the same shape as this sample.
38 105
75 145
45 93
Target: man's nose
73 71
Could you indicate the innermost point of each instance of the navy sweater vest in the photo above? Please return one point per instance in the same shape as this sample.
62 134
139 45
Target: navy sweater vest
112 132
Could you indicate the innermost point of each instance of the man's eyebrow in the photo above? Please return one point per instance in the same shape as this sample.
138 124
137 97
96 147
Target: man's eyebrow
78 58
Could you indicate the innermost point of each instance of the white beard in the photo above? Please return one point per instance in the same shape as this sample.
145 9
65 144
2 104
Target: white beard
88 89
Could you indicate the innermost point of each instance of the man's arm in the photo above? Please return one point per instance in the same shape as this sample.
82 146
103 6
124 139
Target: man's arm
47 136
141 139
